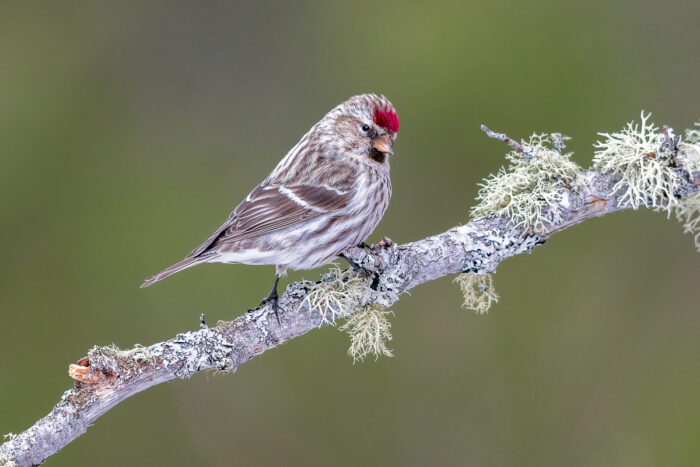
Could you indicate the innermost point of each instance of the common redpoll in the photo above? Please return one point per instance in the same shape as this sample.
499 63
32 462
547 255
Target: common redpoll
328 193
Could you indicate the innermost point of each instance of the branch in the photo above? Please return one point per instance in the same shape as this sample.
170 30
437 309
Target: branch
502 137
107 376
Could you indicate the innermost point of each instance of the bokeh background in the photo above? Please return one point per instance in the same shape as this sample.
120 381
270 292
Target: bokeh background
129 130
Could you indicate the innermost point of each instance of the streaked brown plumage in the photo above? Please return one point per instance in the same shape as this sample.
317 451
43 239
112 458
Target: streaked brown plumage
328 193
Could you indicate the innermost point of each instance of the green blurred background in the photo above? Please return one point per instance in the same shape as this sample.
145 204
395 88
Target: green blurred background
129 130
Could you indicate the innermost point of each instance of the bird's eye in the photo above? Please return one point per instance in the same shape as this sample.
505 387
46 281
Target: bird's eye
365 127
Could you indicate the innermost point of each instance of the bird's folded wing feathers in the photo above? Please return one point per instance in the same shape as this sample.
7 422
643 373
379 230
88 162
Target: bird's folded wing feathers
274 207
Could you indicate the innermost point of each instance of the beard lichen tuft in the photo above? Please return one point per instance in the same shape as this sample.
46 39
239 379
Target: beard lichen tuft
369 331
338 294
530 189
478 291
688 213
640 154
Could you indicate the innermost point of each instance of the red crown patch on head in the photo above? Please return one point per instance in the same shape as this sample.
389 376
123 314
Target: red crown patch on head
387 119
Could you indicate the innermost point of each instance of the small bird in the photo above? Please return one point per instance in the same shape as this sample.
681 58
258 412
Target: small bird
328 193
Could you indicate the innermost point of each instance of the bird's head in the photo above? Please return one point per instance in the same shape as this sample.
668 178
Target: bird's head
364 126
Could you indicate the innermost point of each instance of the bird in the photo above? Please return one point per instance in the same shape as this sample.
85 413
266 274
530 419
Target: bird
327 194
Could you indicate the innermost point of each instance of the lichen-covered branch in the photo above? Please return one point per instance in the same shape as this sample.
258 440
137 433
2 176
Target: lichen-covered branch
107 375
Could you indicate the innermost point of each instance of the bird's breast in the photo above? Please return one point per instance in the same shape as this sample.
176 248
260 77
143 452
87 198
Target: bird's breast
372 193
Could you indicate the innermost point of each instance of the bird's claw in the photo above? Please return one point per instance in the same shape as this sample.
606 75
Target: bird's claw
356 267
362 271
385 242
273 299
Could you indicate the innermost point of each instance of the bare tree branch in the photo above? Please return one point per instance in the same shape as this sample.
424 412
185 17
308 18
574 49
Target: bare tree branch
104 379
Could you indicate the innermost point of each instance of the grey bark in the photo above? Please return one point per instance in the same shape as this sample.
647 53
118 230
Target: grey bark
479 246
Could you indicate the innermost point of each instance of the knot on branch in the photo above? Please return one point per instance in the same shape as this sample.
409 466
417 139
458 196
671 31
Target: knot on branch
109 363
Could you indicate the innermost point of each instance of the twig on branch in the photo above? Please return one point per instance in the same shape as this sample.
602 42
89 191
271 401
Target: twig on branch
502 137
108 375
558 142
670 142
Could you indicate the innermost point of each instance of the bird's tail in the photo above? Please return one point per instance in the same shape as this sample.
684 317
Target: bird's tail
177 267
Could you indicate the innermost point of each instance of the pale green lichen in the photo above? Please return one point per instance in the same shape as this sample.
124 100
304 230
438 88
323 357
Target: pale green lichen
338 294
478 291
530 189
692 136
645 160
138 353
6 461
688 213
369 331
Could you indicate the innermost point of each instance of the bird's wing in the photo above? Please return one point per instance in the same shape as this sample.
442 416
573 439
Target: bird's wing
274 207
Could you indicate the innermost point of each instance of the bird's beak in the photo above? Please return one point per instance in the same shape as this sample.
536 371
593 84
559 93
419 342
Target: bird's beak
383 144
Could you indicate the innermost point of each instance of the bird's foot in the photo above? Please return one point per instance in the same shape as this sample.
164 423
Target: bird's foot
362 271
385 242
356 267
272 298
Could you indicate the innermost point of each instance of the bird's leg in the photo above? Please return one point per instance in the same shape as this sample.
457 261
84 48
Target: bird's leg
272 298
